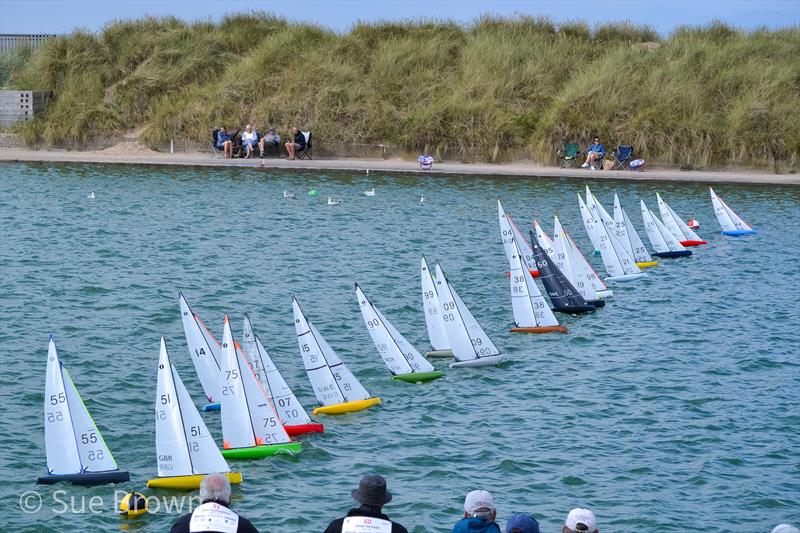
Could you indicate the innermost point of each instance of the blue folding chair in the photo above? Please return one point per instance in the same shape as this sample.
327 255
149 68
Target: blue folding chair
622 157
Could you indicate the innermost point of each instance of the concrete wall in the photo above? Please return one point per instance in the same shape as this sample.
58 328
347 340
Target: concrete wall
17 106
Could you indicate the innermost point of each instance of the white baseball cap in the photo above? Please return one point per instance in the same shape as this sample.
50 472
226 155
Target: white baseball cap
581 516
479 502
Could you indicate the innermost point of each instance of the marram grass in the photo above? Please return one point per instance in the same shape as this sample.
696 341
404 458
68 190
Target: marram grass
500 87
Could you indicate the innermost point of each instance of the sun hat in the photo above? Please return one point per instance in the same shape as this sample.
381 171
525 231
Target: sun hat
581 516
372 491
522 523
479 502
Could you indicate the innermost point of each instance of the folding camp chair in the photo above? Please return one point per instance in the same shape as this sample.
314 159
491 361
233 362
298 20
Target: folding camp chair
306 152
622 157
569 154
215 152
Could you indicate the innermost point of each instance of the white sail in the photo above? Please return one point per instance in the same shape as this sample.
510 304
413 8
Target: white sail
203 350
627 234
522 243
582 268
430 305
289 409
590 223
398 354
544 241
73 443
674 223
599 211
332 381
661 238
248 417
183 444
528 305
576 269
615 259
467 337
728 219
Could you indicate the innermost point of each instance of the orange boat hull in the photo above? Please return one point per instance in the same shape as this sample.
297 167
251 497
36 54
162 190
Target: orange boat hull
541 329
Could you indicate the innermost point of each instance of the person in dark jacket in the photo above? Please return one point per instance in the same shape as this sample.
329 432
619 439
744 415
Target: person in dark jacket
479 514
298 142
372 495
214 514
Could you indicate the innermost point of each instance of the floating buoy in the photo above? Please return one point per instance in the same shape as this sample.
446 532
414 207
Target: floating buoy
313 192
694 224
132 505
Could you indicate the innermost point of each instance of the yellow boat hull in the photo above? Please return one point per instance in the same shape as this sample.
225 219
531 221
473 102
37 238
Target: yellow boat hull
645 264
187 482
346 407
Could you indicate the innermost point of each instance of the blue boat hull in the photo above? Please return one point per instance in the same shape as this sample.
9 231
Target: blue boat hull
679 253
211 407
739 232
87 478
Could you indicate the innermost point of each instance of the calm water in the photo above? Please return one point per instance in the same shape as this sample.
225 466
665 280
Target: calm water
675 407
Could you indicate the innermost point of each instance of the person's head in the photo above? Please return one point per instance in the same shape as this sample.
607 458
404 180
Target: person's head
479 503
215 488
372 491
596 140
522 523
248 128
580 521
222 128
785 528
295 130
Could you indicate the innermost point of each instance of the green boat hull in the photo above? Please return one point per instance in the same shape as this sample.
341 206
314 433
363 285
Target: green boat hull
418 377
257 452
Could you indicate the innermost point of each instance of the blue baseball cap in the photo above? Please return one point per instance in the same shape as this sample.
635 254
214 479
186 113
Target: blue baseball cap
522 523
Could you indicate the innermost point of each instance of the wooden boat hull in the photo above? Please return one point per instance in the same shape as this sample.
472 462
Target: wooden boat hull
86 478
418 377
482 361
188 482
541 329
626 277
693 243
677 253
301 429
257 452
739 232
440 353
647 264
210 407
346 407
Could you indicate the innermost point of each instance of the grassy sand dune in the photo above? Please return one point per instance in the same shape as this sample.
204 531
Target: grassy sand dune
497 89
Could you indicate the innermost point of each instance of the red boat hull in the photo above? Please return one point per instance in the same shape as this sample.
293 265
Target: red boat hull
693 243
304 428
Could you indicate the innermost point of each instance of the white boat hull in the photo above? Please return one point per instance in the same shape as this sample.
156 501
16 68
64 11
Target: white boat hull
481 361
605 294
445 354
626 277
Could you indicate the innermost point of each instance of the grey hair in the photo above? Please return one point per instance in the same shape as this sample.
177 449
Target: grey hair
215 487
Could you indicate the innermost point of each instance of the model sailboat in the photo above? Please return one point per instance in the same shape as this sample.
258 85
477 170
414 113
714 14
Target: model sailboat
663 241
470 344
433 319
76 451
294 418
185 449
564 296
685 235
251 428
204 351
403 361
627 236
619 265
732 224
336 388
573 264
531 312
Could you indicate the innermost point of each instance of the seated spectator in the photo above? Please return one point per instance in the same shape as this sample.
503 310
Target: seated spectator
271 137
580 521
214 514
249 140
595 152
522 523
225 142
298 142
479 514
372 495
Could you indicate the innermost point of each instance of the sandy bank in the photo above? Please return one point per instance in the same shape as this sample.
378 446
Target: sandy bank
144 156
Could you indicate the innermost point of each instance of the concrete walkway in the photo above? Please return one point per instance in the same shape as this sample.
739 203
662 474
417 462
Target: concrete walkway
394 166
